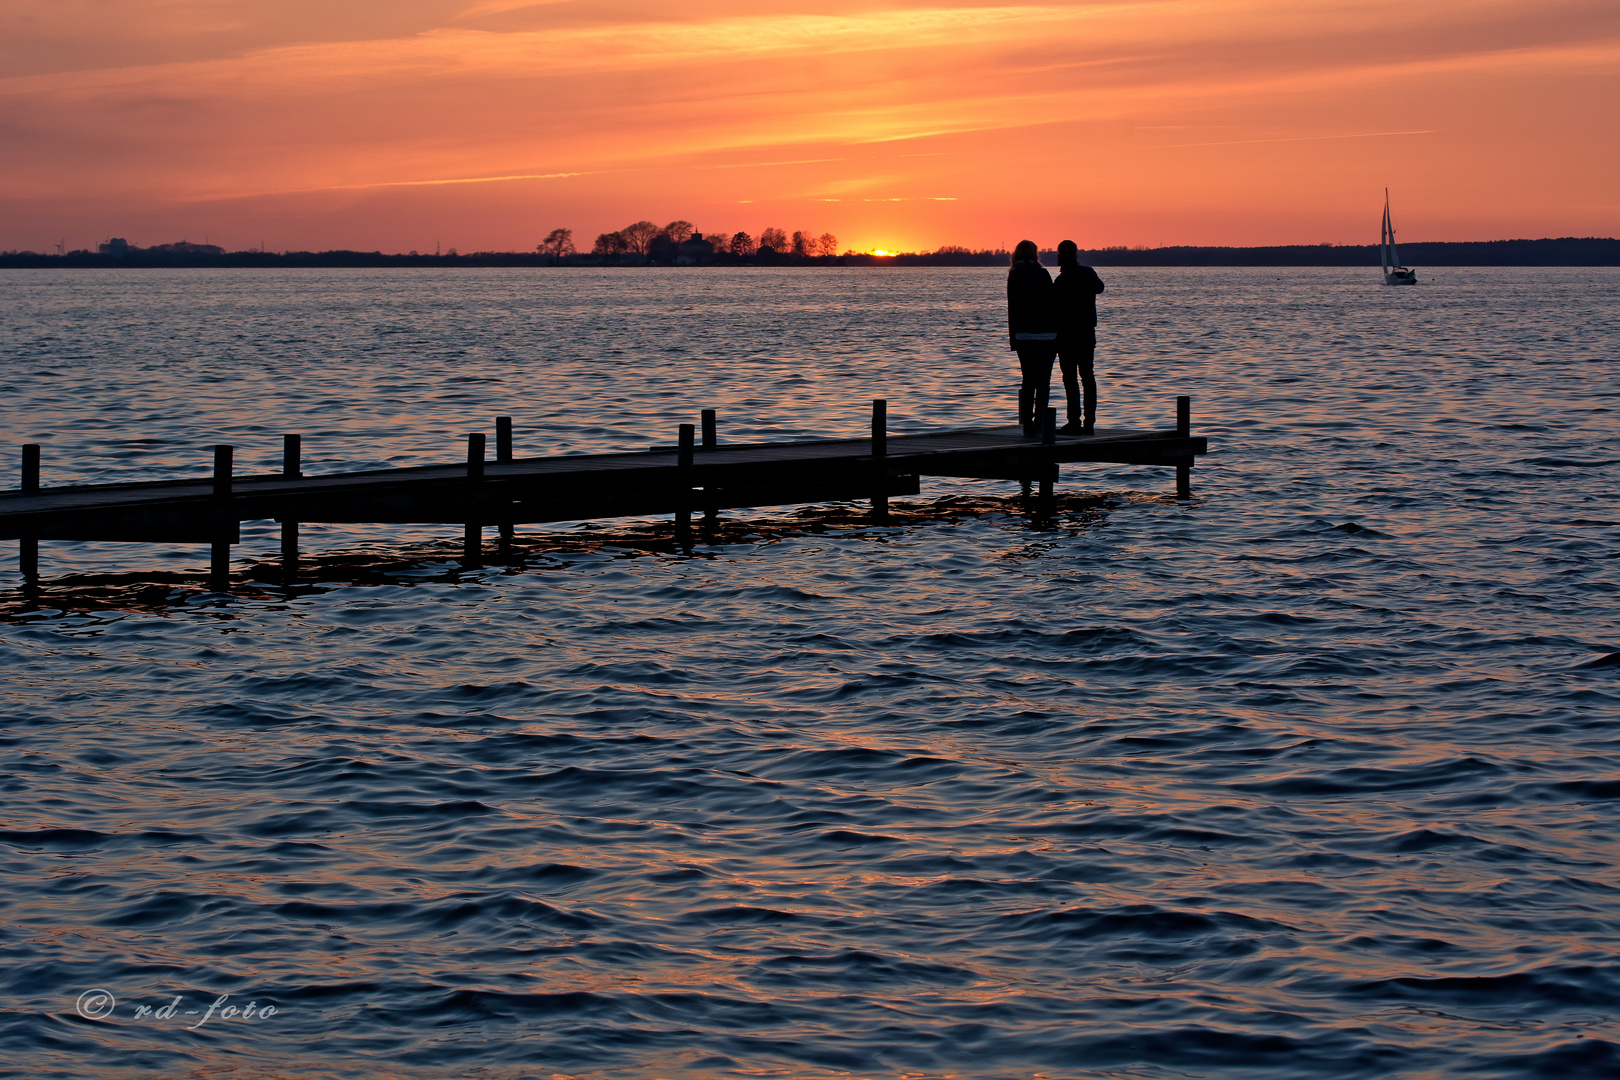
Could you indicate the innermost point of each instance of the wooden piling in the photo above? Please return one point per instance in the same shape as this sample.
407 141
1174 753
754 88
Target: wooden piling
289 551
475 455
472 545
1048 438
503 439
711 441
507 533
28 546
880 454
219 564
292 454
1183 431
222 471
683 462
30 466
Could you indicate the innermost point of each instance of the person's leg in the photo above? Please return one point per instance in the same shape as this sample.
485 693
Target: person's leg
1085 360
1043 383
1071 382
1030 395
1026 388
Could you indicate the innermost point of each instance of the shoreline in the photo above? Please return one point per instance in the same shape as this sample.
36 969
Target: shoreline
1566 251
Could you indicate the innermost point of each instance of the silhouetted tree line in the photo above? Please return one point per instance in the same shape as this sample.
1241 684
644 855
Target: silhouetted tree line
775 247
680 241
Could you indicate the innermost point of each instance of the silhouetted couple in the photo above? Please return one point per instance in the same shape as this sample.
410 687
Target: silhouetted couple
1049 319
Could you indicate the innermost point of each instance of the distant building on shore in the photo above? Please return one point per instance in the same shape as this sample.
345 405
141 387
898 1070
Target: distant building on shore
119 248
182 247
695 251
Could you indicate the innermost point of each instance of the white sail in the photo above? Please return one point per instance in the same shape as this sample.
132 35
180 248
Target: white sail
1394 253
1383 235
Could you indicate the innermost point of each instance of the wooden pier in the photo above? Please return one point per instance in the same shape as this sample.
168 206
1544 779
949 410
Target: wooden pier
695 475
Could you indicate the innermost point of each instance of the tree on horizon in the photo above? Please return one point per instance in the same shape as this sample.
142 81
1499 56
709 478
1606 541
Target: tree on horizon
773 238
742 245
640 236
678 232
558 242
827 244
610 243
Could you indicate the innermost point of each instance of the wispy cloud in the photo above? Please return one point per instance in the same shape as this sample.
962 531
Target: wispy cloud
1290 139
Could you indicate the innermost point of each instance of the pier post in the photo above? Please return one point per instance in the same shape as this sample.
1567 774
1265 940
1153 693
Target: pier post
683 462
503 438
30 466
503 454
292 455
219 563
472 536
711 441
219 556
222 471
1184 431
28 560
289 551
880 454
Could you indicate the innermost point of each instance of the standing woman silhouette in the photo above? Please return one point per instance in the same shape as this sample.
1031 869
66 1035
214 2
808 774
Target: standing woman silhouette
1031 331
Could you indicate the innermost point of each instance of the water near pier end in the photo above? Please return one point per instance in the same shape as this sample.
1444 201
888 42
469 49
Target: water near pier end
1312 774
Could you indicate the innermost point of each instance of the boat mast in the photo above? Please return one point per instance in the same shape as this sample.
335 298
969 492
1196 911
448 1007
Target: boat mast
1394 252
1384 232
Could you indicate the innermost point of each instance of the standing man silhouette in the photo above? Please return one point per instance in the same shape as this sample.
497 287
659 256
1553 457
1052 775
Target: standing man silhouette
1076 291
1031 331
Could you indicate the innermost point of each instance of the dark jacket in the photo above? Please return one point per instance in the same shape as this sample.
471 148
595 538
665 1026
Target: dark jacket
1076 292
1029 304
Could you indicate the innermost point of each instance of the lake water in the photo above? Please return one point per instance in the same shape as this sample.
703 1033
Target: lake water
1311 774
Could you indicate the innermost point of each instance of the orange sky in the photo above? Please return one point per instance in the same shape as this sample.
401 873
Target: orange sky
482 124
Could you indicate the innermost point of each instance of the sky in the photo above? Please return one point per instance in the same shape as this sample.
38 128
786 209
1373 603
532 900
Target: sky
401 125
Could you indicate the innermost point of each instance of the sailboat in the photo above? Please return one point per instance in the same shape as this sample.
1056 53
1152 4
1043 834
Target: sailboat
1394 272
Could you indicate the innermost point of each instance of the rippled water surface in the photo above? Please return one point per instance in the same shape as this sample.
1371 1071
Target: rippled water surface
1311 774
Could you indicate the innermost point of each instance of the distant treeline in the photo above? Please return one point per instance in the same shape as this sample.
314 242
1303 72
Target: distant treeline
1567 251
